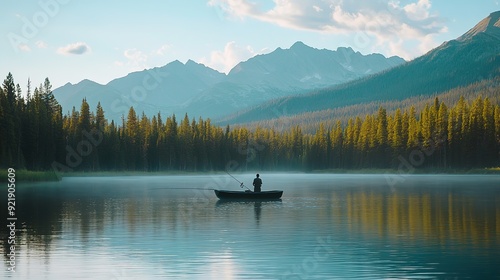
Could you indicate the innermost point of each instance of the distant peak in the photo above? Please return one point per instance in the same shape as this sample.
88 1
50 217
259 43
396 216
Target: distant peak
496 17
345 49
495 14
87 81
299 45
176 62
490 25
193 64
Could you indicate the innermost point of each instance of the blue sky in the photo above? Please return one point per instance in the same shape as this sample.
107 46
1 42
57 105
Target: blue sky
70 40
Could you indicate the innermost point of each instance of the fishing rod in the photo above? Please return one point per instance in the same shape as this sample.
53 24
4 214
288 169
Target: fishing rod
241 183
202 189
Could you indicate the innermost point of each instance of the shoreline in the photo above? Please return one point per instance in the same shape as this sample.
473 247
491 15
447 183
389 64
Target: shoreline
473 171
51 176
23 175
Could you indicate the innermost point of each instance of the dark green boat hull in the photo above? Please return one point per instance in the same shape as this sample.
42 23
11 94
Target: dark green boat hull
243 195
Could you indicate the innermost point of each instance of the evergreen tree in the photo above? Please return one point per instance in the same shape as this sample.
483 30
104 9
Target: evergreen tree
131 141
37 134
336 145
186 137
487 146
100 120
170 150
382 136
83 119
11 153
413 130
441 137
397 134
319 149
496 152
3 130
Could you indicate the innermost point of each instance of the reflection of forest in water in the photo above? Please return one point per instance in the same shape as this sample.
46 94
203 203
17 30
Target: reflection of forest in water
437 216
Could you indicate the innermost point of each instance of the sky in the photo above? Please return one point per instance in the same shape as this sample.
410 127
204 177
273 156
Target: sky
71 40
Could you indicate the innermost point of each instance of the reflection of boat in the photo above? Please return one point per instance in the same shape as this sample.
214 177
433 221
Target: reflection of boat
241 203
240 195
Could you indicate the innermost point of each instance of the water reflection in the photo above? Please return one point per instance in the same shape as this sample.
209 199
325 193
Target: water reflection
371 230
37 224
437 217
257 209
239 207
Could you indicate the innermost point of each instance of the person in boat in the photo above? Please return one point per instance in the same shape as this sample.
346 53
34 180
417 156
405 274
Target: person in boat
257 183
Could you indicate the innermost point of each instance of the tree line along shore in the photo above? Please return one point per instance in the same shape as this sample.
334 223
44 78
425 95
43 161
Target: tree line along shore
37 136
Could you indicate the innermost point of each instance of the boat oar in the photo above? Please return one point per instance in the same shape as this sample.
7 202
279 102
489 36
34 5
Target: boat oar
241 183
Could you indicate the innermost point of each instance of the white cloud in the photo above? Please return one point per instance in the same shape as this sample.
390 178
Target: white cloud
24 47
427 43
335 15
78 48
386 21
226 59
135 59
396 46
418 11
317 9
237 8
41 44
163 50
135 55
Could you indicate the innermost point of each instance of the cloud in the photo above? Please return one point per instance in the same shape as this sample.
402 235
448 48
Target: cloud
41 44
384 21
226 59
78 48
419 10
317 9
24 47
163 50
136 56
337 16
135 60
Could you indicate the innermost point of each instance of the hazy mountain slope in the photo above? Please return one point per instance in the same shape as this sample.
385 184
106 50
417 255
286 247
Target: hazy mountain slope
162 89
309 121
303 67
473 57
174 83
201 91
70 96
284 72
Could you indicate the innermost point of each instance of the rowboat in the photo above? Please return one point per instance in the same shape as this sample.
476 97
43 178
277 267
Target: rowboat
265 195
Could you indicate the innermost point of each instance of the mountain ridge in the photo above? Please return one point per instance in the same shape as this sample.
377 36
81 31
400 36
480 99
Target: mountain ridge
489 25
472 57
202 91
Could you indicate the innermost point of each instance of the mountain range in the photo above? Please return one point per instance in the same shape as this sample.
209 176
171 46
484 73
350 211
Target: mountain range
471 58
201 91
299 80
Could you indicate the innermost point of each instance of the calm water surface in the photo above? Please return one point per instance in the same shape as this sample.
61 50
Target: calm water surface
325 227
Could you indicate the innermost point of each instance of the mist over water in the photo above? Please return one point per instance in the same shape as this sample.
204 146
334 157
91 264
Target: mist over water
324 227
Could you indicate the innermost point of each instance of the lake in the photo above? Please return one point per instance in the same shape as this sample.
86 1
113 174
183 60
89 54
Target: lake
324 227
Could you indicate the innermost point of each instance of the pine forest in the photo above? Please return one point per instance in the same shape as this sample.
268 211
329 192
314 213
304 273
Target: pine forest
36 135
